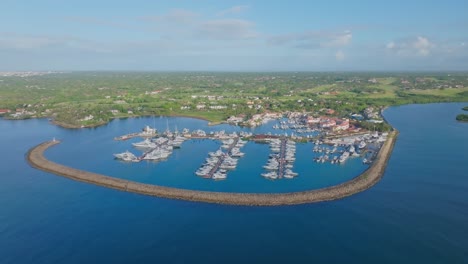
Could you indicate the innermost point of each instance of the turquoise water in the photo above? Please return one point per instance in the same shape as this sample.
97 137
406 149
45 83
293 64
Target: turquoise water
416 214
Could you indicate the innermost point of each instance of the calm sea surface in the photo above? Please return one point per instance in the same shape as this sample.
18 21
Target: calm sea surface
417 213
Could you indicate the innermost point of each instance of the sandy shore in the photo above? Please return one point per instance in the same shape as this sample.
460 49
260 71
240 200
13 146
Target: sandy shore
362 182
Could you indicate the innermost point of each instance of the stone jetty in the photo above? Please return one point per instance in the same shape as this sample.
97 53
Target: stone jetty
367 179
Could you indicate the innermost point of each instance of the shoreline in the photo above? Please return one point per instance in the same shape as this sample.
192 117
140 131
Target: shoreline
68 126
367 179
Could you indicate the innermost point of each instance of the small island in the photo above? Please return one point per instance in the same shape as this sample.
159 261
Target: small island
462 117
465 108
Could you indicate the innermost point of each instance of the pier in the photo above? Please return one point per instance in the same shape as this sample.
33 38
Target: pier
142 157
367 179
215 168
282 160
221 158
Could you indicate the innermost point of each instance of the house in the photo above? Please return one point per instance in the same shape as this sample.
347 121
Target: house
327 123
235 120
87 118
218 107
152 92
4 111
341 124
357 116
313 120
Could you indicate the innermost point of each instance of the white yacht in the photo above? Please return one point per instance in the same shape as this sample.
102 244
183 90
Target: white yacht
219 175
362 144
270 175
344 157
290 172
144 144
235 152
218 153
126 156
157 154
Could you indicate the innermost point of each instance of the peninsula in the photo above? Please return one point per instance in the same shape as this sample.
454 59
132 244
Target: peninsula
462 117
367 179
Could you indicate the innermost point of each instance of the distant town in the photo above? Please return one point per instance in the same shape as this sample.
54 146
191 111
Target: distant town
334 101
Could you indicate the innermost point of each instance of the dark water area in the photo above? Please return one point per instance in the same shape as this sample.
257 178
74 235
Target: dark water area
416 213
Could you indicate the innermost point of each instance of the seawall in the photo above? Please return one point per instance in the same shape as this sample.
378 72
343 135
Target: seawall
367 179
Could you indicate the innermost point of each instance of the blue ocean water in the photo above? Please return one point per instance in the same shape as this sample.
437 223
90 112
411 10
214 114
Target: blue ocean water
92 149
416 213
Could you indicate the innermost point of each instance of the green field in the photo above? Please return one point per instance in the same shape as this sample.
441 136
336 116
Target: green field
72 98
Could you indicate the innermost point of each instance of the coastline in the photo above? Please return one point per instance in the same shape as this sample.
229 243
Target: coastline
68 126
364 181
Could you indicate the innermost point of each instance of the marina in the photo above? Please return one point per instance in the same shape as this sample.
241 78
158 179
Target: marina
281 160
219 162
406 174
362 182
337 150
178 169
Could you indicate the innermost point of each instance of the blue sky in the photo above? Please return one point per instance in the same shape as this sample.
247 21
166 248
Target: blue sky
234 35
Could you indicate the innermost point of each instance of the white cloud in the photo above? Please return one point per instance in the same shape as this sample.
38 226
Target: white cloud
233 10
227 29
391 45
419 46
339 55
339 40
313 39
423 46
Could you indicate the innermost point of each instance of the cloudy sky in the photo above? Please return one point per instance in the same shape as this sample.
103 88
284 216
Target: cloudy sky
178 35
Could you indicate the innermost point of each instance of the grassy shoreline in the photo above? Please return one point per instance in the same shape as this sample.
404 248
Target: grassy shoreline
90 99
462 118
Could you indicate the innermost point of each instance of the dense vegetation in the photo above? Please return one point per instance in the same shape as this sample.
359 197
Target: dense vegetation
92 98
462 117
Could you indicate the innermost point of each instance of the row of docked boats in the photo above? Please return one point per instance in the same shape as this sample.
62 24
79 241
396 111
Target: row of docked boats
233 145
281 159
356 146
174 142
219 162
155 149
